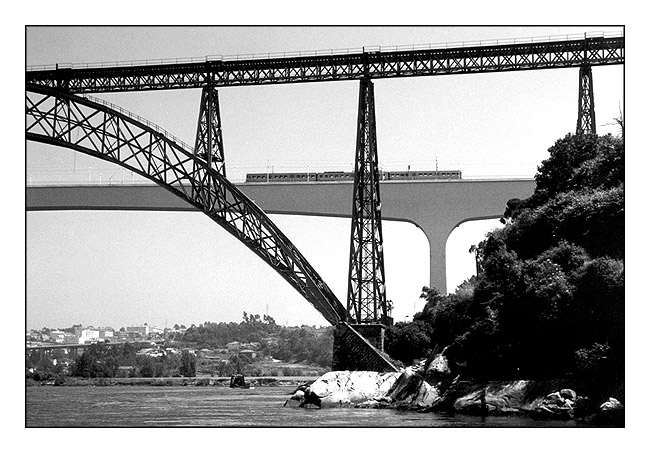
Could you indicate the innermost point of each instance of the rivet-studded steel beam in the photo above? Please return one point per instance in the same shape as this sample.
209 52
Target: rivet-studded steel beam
62 119
366 281
592 51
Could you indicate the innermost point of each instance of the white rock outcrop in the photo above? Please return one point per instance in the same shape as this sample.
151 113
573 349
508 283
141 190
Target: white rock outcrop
367 389
612 404
348 388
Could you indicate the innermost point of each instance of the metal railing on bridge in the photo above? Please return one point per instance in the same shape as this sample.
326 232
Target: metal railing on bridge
324 52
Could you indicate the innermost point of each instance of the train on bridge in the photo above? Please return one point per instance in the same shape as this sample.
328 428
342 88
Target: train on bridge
338 176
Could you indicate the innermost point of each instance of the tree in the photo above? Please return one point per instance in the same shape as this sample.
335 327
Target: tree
147 366
188 364
549 298
408 341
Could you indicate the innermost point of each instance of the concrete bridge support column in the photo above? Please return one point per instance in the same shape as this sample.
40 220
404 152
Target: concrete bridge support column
437 234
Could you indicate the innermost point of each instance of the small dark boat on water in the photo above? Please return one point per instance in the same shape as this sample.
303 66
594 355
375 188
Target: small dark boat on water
237 381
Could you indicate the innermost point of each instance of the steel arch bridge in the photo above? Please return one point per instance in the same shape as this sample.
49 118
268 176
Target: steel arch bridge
57 116
66 120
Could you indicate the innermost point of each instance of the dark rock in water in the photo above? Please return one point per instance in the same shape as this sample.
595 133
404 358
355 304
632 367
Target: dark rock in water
303 397
311 399
611 413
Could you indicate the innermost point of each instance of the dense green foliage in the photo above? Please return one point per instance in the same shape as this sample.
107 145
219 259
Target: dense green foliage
105 361
213 335
289 344
549 297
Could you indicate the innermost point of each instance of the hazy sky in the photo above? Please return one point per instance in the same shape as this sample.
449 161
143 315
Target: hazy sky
123 268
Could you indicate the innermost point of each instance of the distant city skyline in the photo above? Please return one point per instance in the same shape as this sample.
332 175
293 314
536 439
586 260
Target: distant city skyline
106 267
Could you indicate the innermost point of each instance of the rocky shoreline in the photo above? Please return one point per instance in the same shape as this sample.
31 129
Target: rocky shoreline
428 387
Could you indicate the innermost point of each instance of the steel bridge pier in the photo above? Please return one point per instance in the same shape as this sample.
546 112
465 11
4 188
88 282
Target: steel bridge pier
586 109
367 306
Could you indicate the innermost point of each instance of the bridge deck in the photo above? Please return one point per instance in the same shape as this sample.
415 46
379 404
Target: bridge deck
590 51
436 207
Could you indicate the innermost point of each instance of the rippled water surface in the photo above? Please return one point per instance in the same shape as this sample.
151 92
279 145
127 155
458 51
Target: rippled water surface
127 406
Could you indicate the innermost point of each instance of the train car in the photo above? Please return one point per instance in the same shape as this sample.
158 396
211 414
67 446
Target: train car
338 176
423 175
280 177
332 176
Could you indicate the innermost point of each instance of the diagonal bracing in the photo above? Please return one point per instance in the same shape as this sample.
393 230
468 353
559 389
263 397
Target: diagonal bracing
428 61
62 119
366 282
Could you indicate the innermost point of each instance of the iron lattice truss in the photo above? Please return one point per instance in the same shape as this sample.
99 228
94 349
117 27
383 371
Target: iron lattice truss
355 66
366 282
209 141
74 122
586 109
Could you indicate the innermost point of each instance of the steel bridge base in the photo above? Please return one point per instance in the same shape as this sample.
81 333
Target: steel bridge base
360 348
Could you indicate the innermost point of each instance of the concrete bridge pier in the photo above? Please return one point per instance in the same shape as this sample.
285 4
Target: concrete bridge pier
437 235
437 208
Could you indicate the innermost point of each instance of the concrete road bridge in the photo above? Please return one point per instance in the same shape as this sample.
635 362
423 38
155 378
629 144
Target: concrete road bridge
436 207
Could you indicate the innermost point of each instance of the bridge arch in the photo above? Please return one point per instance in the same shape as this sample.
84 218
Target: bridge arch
63 119
461 263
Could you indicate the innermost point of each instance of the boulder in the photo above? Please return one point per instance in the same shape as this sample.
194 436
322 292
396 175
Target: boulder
612 404
610 413
494 398
439 366
568 394
347 388
367 389
406 387
426 397
559 405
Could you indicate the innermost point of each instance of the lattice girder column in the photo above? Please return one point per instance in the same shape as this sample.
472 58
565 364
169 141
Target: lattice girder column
366 281
209 141
586 110
209 145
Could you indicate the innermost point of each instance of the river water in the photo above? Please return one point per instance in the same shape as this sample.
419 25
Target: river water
210 406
